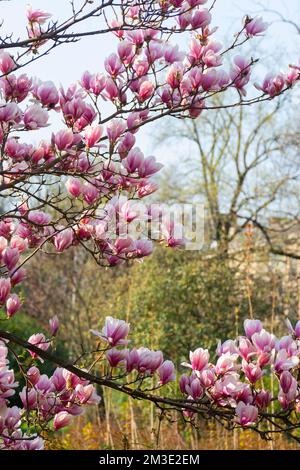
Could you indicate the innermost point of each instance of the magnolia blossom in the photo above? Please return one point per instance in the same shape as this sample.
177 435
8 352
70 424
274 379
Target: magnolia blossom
35 117
13 304
54 325
246 414
199 359
39 340
255 26
114 332
7 63
166 372
61 420
5 286
64 239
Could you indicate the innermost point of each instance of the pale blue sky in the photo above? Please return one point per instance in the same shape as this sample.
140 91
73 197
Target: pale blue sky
67 63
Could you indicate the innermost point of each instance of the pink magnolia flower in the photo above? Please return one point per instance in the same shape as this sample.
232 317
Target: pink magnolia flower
111 89
10 113
123 246
3 244
172 54
54 325
227 346
38 16
246 348
13 304
240 73
145 188
17 276
175 75
265 358
173 233
226 363
136 36
140 67
149 167
35 117
116 357
200 19
92 135
284 362
10 257
64 239
287 343
292 76
286 381
146 90
97 83
251 327
294 331
246 414
272 85
63 139
154 51
149 361
61 420
199 359
263 399
46 93
126 144
229 389
194 389
113 65
135 119
33 444
19 243
288 390
255 26
38 340
7 63
33 375
39 218
132 360
87 394
114 332
183 383
143 248
90 193
126 52
118 32
184 19
252 371
263 341
134 160
166 372
12 417
29 398
15 87
5 286
207 377
74 187
210 80
115 129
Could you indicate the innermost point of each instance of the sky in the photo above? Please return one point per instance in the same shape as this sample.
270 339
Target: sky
68 62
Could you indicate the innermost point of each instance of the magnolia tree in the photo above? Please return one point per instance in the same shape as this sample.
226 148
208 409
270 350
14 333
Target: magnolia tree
82 188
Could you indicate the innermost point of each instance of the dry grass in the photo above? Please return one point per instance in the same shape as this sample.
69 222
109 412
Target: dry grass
137 434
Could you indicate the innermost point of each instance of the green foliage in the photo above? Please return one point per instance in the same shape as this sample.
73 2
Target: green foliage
179 300
24 326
